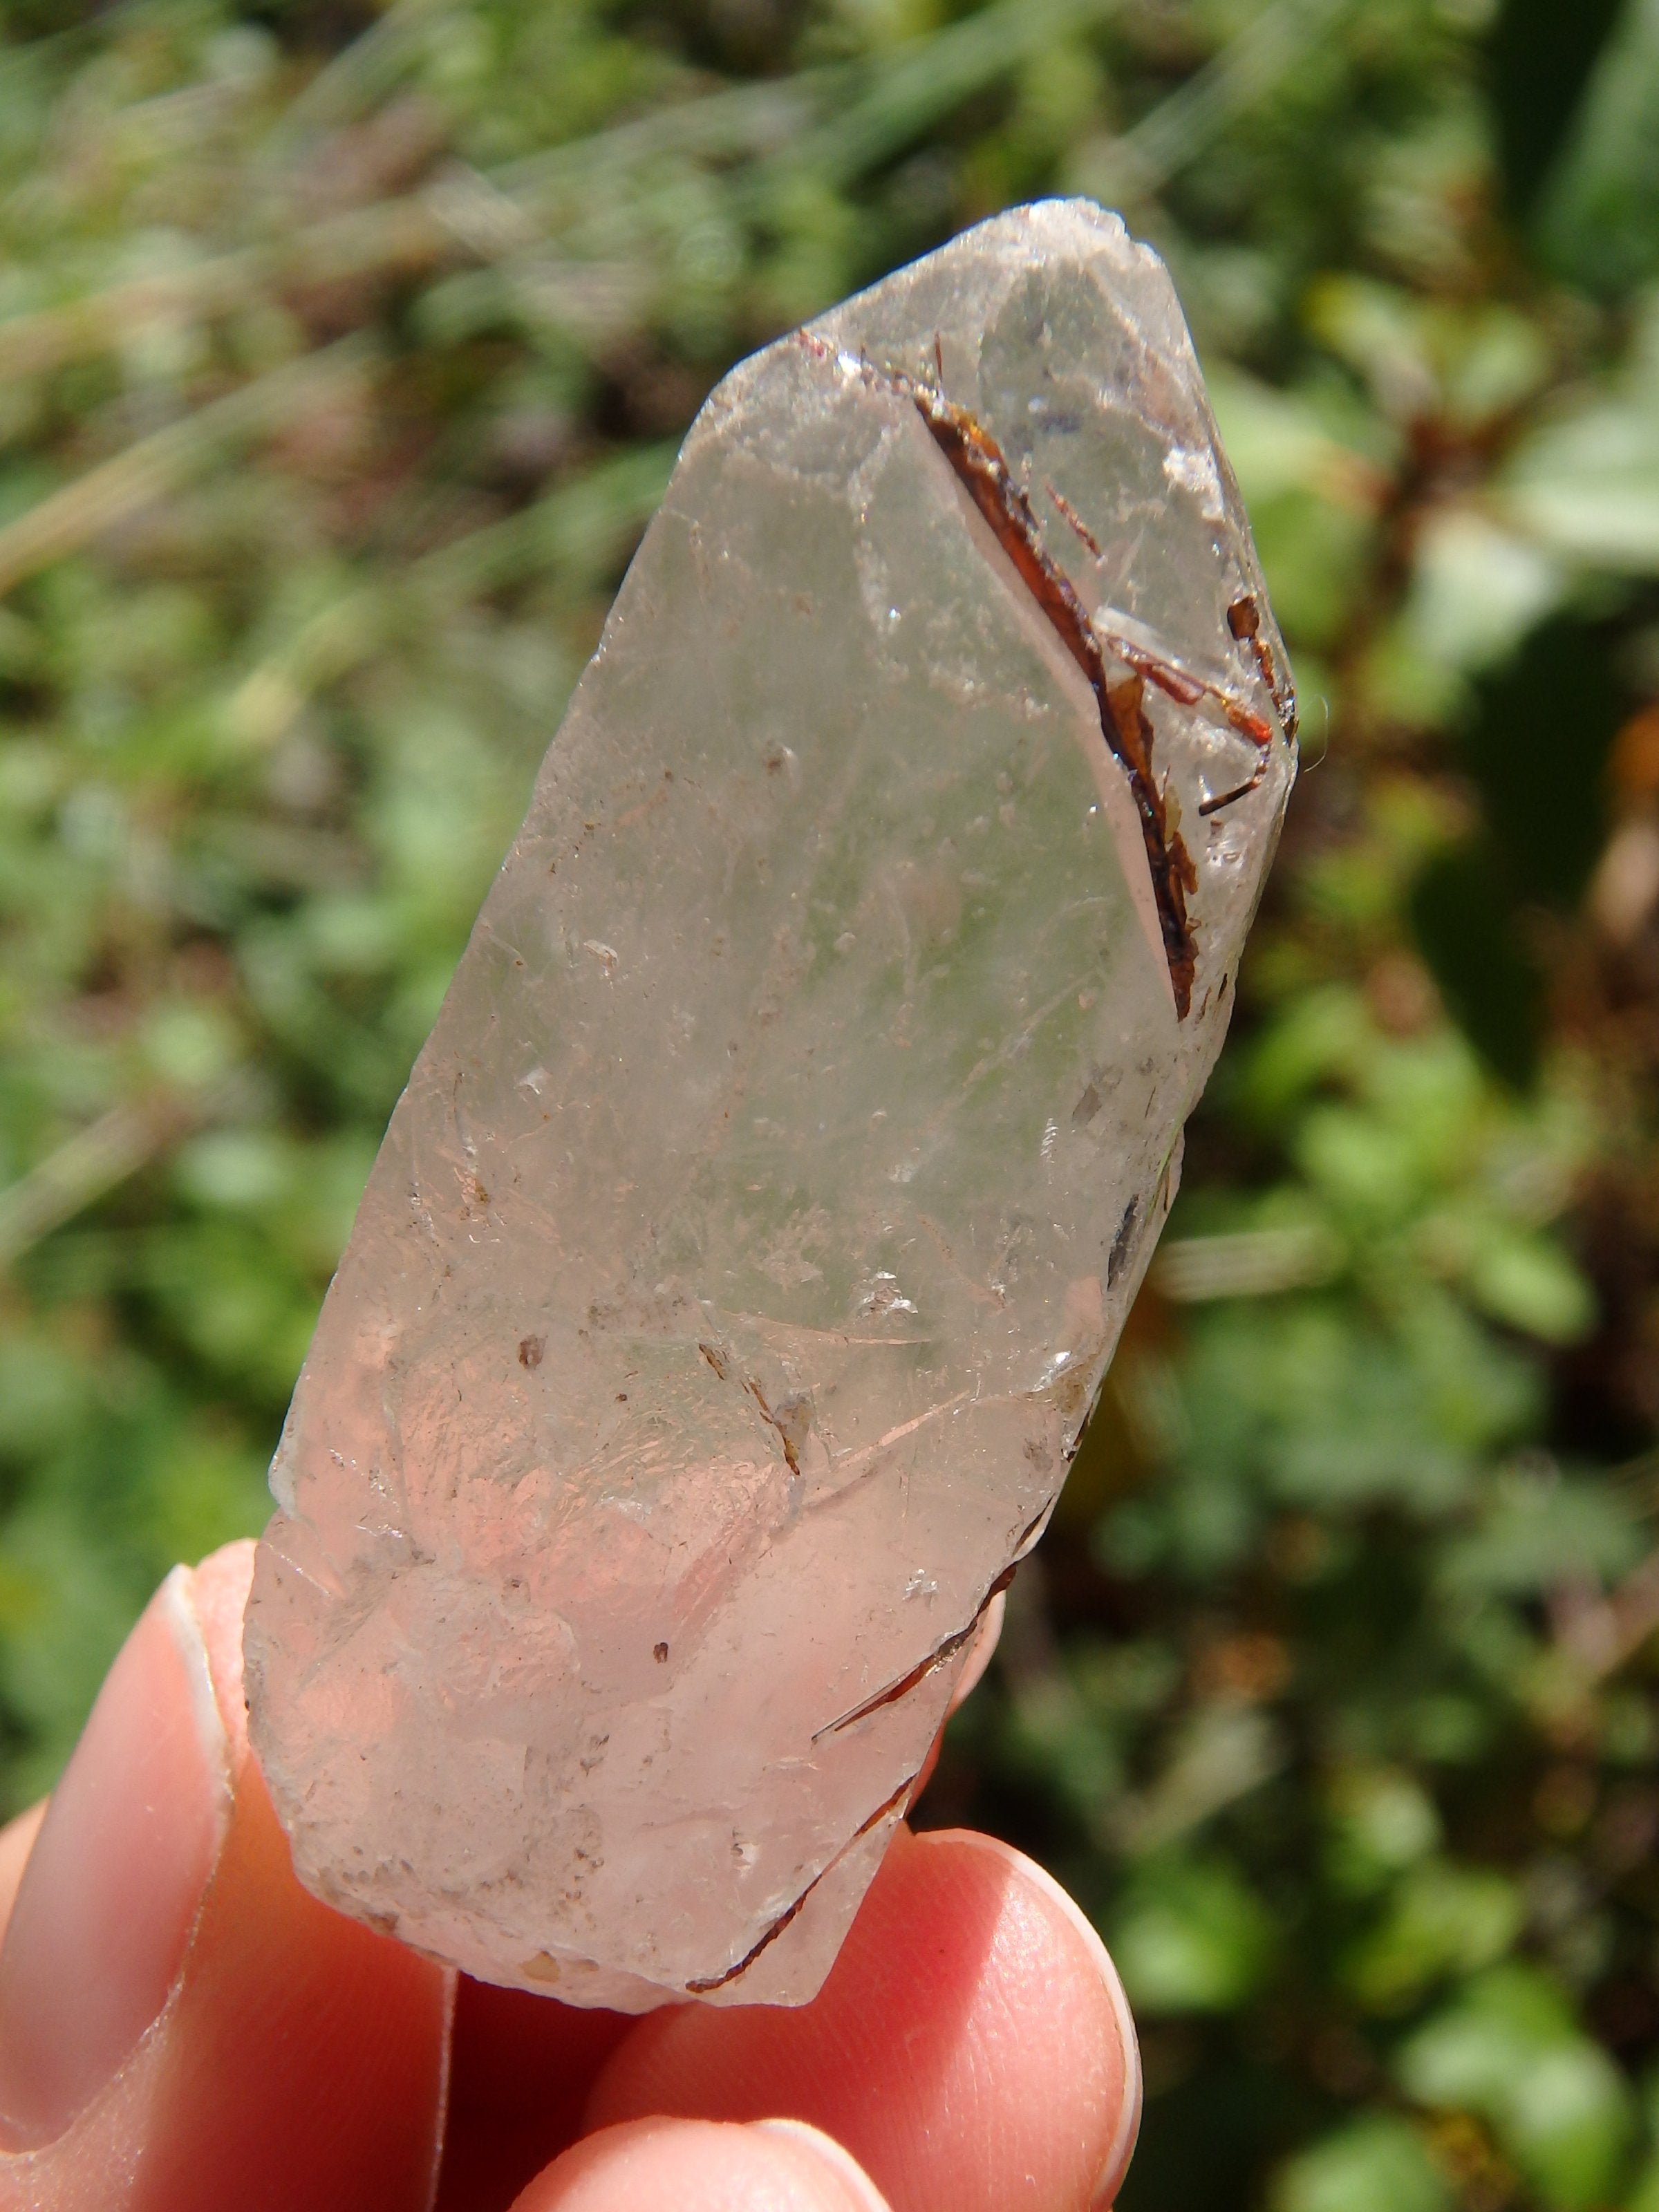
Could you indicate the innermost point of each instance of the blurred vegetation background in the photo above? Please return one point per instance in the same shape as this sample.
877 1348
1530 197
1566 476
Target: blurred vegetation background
342 355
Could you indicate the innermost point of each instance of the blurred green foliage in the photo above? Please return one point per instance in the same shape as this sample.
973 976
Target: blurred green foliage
342 355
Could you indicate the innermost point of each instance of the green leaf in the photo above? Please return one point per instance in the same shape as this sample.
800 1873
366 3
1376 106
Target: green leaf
1529 1282
1376 2164
1509 2049
1596 220
1536 1528
1584 485
1442 1919
1381 1820
1542 54
1189 1936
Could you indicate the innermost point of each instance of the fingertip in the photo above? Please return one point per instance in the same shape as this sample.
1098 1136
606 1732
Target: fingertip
982 1650
1070 1915
265 2051
218 1592
971 2047
835 2159
115 1878
704 2165
17 1842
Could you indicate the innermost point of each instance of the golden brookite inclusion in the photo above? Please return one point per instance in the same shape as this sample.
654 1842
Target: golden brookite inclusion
745 1253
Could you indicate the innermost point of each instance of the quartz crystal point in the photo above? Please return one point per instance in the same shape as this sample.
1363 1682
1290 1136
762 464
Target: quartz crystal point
745 1253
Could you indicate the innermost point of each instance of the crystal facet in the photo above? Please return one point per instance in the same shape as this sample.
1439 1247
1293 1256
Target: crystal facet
743 1259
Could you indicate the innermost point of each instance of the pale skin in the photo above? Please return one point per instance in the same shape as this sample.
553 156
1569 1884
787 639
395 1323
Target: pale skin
182 2026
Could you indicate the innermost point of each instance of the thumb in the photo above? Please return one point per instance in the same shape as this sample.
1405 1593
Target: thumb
705 2166
181 2026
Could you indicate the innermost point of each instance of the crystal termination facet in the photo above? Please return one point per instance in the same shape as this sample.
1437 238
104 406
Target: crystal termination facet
742 1260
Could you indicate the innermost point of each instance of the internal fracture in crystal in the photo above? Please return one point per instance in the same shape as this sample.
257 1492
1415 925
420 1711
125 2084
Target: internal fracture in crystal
743 1260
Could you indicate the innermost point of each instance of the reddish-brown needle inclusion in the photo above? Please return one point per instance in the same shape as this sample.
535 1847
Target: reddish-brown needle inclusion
983 470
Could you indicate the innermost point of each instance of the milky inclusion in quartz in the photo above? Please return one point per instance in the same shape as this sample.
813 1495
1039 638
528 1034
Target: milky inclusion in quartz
745 1254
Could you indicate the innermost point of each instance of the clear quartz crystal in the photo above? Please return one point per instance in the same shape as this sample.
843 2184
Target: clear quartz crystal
745 1253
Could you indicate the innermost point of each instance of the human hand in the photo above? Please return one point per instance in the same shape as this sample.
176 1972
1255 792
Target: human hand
182 2027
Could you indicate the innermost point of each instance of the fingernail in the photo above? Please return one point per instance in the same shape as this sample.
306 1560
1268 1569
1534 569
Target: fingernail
105 1910
861 2192
1120 2148
980 1651
1115 2163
